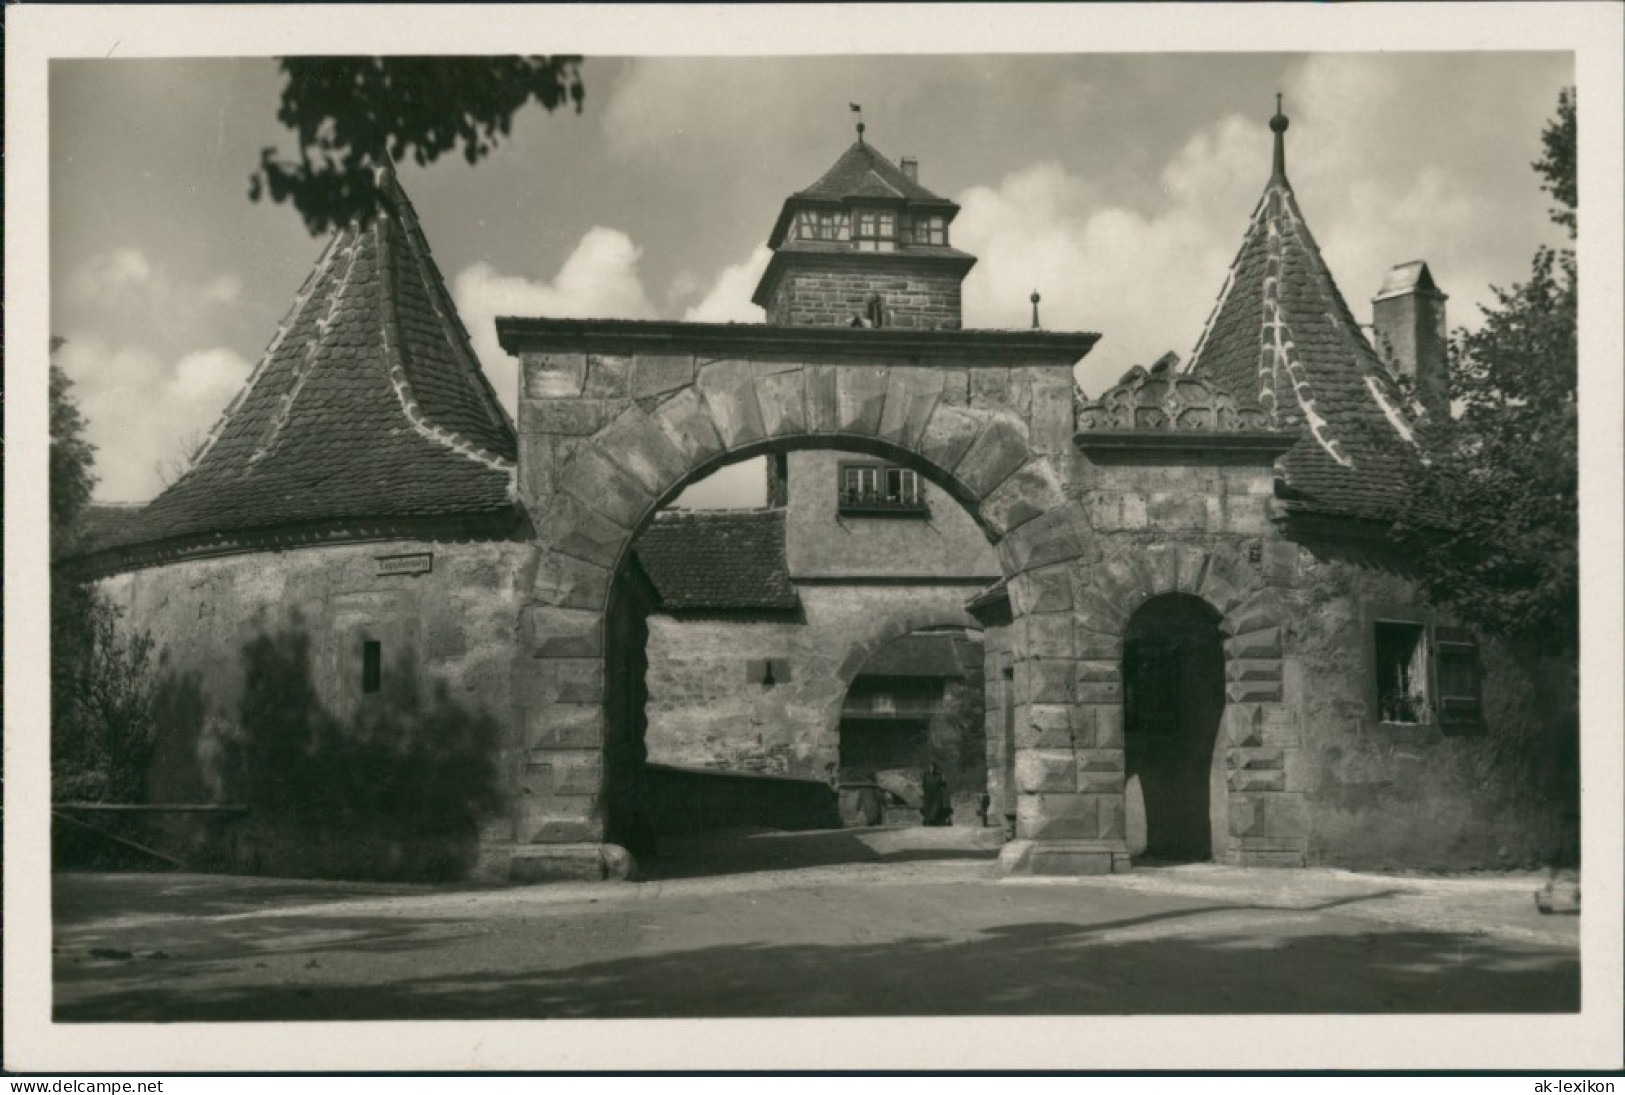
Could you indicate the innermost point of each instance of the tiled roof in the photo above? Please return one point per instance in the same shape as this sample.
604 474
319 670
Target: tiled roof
718 560
369 404
925 654
862 172
1282 338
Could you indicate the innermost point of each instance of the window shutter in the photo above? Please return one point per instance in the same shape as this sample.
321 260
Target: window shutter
1457 681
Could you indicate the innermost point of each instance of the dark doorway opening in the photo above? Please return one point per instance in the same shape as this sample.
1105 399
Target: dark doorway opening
1173 704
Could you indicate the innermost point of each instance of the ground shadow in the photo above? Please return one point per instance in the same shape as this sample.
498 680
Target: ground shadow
743 852
1194 959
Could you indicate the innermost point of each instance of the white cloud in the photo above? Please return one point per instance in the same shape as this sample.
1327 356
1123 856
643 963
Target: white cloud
728 300
1145 281
600 279
141 411
125 289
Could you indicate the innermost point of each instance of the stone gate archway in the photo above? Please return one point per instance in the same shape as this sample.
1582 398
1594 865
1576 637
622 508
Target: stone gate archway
608 440
1257 732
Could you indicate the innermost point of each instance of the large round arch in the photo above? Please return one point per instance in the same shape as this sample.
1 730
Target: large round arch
610 480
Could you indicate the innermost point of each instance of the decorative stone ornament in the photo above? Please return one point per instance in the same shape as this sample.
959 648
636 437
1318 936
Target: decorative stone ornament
1161 399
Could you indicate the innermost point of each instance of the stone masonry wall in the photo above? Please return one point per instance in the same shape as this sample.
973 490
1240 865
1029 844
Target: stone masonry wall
918 298
705 712
260 664
822 542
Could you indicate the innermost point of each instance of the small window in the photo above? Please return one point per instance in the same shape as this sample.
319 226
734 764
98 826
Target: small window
875 230
817 224
1428 675
930 228
372 666
881 490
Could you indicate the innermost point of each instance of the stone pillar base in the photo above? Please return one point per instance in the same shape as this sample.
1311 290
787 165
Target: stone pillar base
1063 857
570 863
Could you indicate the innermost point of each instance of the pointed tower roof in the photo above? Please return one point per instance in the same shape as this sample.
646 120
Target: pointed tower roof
368 417
1282 338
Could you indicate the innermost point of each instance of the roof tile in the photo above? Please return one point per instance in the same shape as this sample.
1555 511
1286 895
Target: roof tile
718 560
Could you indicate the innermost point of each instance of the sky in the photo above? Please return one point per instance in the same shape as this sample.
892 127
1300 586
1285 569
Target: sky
1116 185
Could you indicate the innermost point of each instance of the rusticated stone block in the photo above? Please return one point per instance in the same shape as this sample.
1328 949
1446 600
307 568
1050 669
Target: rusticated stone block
688 426
1248 779
1047 636
554 376
994 456
1099 669
1046 680
555 772
823 406
1044 726
1045 770
592 479
1055 537
782 397
1161 567
570 862
568 582
575 726
637 444
574 529
1030 492
1244 725
1263 643
1045 590
1108 722
607 376
1059 816
1095 644
1100 760
956 386
1190 567
860 397
655 374
1099 692
910 398
1252 669
1259 759
1282 816
948 435
1253 691
1052 423
572 681
729 391
570 417
551 632
562 829
1260 611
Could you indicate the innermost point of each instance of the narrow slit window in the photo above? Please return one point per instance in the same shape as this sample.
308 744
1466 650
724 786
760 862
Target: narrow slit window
372 666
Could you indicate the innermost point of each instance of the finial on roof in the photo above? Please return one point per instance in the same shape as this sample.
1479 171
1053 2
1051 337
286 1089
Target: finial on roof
858 110
1035 298
1278 126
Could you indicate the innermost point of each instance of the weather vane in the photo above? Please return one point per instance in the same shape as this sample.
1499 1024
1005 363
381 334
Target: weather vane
858 110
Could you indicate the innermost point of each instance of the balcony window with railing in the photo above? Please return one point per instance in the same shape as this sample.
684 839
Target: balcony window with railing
881 490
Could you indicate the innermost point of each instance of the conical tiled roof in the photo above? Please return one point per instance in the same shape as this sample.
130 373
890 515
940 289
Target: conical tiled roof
369 408
1282 338
862 172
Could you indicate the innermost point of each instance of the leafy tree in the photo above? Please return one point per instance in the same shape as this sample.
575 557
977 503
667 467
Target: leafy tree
102 678
1503 475
350 112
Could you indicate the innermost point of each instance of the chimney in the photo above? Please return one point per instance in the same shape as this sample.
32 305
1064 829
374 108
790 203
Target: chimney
911 168
1408 328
